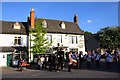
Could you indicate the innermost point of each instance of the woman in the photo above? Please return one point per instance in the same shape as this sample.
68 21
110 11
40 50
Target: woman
70 62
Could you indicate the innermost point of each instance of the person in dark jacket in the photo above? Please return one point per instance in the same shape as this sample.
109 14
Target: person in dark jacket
80 59
50 61
55 63
61 58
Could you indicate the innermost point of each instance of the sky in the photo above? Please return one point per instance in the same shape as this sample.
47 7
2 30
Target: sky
92 16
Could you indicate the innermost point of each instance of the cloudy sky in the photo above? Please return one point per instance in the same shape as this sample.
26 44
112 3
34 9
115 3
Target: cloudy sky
92 15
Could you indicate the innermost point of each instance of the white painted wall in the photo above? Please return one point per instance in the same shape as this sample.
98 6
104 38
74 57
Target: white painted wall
65 41
3 61
7 40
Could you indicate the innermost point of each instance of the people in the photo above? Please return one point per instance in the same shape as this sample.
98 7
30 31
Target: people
74 59
80 59
56 60
88 59
20 64
93 55
60 57
55 63
116 55
42 59
39 62
50 62
109 58
70 62
97 59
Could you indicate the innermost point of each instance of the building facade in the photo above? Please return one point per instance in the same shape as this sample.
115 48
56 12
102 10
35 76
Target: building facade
61 33
15 37
13 41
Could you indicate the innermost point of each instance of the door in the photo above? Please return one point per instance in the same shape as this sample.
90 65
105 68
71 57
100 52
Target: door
9 59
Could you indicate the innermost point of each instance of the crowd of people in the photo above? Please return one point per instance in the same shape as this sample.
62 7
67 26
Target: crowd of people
56 62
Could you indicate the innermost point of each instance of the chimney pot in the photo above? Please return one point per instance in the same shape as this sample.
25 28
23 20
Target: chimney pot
76 19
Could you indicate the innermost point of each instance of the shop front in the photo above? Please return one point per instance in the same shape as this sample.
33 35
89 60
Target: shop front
19 53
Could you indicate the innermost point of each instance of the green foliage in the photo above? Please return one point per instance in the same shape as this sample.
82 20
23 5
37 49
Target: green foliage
86 32
40 43
109 37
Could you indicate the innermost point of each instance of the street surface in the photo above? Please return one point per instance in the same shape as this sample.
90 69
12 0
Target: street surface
102 72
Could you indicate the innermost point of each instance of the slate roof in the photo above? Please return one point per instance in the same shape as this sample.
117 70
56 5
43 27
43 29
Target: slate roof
7 27
91 42
53 26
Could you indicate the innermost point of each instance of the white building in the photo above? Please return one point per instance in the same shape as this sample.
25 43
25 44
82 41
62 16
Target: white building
66 34
13 39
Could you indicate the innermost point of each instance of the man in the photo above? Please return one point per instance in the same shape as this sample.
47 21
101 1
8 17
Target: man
61 58
80 59
88 59
97 59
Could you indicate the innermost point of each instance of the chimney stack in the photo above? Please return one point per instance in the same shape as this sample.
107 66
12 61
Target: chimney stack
76 19
32 18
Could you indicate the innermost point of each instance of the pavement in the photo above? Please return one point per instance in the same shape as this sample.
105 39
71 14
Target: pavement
102 72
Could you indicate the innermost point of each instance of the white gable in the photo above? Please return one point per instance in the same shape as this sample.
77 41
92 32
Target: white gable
44 24
62 25
17 26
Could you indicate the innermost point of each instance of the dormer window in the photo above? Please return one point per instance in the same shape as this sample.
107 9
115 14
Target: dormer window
62 25
44 24
17 26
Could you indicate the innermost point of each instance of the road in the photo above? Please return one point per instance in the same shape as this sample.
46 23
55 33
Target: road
101 72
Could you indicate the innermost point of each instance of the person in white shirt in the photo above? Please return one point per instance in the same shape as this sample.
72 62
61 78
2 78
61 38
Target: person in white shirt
109 59
97 59
40 62
88 59
118 56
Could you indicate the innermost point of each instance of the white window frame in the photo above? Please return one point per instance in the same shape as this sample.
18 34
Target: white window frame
16 40
73 40
59 38
49 37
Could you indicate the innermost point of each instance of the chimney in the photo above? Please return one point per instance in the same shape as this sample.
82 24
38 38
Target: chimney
76 19
32 19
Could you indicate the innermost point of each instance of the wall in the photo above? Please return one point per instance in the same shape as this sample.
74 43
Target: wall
3 60
8 40
65 41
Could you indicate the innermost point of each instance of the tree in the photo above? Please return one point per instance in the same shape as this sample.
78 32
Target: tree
40 43
109 37
86 32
